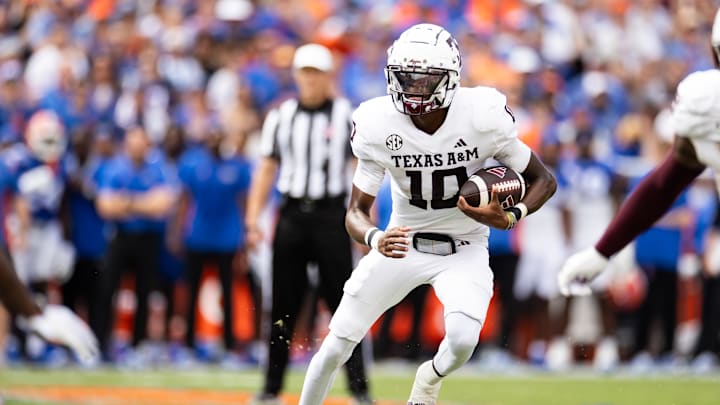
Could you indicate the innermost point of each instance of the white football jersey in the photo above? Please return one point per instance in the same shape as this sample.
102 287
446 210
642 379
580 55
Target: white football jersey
696 115
427 171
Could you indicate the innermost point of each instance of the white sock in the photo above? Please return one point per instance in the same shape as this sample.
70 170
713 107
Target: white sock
426 374
323 368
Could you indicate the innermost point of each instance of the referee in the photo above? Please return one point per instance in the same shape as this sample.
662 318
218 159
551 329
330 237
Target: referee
305 142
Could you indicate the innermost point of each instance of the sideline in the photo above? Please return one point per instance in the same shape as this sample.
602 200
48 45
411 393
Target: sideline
143 396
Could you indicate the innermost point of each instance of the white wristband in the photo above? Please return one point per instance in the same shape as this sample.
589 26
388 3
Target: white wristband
523 210
369 233
375 238
372 236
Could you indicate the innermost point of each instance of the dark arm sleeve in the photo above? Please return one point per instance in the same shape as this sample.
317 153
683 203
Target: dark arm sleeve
649 202
13 293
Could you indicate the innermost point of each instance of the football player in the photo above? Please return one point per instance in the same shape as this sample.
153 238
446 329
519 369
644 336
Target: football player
696 120
40 253
54 323
33 170
429 134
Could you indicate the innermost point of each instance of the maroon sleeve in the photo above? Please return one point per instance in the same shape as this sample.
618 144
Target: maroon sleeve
648 203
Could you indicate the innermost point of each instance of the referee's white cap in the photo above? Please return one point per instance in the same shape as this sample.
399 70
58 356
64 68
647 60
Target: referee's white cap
313 56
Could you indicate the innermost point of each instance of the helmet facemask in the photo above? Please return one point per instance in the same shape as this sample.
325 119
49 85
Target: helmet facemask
45 136
48 148
417 91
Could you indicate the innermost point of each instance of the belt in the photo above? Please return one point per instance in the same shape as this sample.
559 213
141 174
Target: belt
434 243
311 205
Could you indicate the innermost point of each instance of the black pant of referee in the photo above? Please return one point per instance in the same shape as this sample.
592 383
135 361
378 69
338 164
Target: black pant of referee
308 231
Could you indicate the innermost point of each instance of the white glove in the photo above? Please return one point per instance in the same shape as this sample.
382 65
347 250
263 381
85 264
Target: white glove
579 270
57 324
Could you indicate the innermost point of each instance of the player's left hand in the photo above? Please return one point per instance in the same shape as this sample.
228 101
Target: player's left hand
491 215
394 242
58 324
579 271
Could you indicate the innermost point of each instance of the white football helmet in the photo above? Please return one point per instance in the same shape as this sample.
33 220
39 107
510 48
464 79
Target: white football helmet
45 136
715 38
423 69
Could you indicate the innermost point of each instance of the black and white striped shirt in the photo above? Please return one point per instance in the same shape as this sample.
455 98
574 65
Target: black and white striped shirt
312 146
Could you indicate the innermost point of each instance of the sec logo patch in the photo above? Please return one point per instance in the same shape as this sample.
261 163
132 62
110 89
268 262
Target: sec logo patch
394 142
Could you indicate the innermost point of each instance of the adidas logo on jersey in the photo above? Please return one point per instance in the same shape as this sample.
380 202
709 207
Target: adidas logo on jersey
460 143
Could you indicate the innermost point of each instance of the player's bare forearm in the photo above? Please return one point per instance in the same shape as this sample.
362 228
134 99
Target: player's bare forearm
392 243
652 198
13 294
358 219
541 184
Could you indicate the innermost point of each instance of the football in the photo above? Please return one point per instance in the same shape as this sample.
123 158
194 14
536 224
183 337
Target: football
508 183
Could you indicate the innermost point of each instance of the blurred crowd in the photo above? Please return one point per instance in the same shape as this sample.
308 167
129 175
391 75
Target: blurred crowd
590 83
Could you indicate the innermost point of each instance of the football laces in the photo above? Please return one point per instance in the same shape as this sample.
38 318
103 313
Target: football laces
507 185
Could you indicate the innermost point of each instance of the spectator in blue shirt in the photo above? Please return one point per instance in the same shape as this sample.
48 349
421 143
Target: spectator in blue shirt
664 252
85 165
136 195
14 111
707 348
171 261
211 215
657 252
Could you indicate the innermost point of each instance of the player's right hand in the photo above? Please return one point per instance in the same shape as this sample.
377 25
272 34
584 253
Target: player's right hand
491 215
394 243
580 270
58 324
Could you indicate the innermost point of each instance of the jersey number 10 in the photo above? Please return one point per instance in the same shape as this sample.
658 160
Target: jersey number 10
438 187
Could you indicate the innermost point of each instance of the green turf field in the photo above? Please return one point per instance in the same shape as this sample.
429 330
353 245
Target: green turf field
393 384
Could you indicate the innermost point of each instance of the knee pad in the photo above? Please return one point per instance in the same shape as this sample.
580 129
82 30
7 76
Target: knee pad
461 336
337 350
462 333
